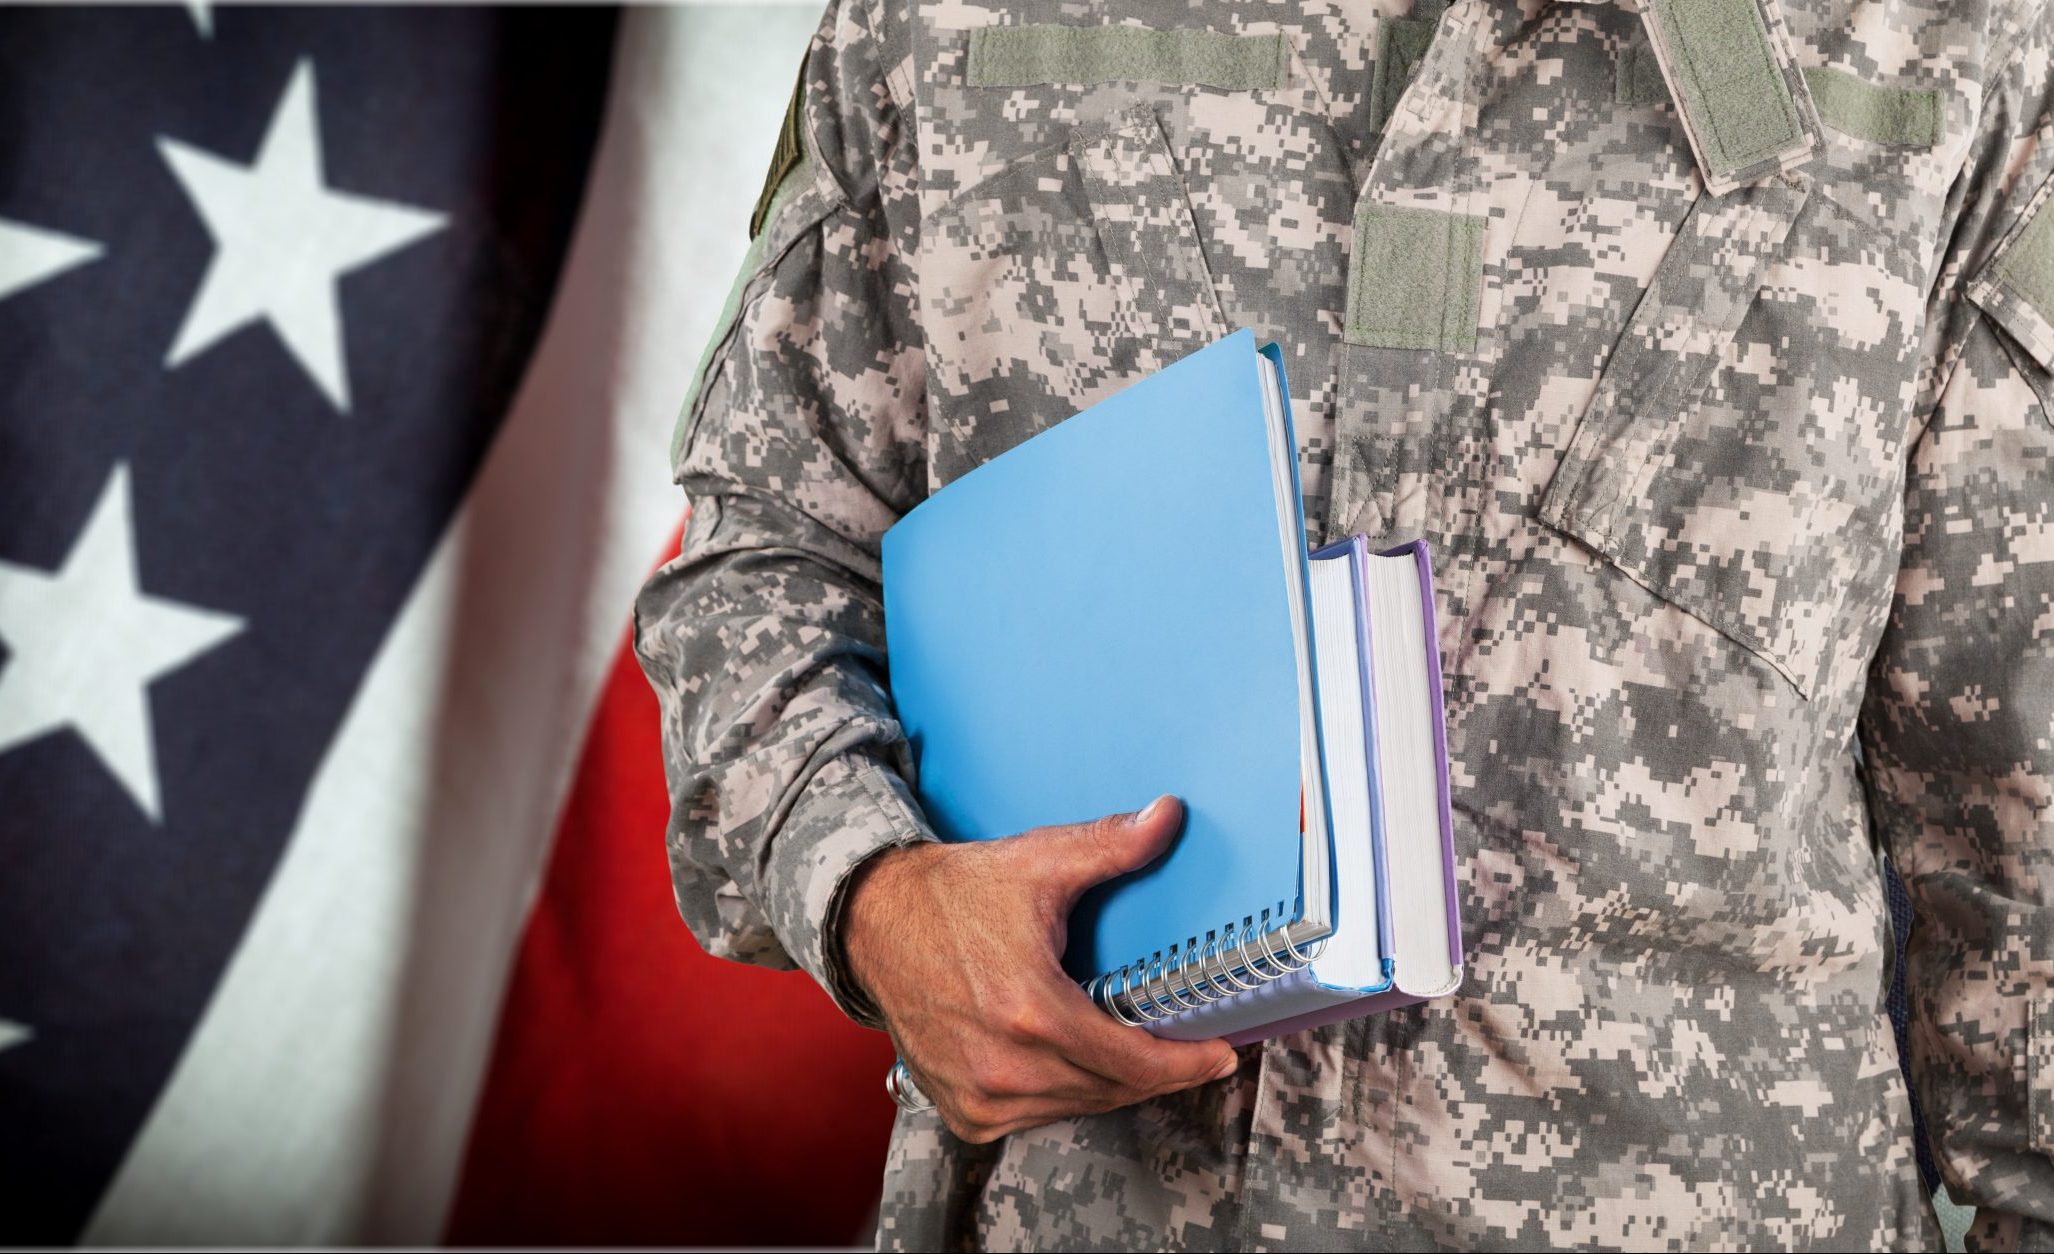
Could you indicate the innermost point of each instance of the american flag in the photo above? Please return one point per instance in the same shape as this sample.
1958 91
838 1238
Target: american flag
338 351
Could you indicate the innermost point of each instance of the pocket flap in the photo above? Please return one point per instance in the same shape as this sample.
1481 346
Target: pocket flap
2016 286
1143 218
1694 495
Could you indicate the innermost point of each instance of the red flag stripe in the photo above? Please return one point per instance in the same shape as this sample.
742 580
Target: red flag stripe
641 1092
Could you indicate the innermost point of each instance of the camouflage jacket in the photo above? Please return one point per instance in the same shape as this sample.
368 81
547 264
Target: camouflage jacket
1708 342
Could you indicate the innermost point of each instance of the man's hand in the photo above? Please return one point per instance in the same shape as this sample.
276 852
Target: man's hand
960 946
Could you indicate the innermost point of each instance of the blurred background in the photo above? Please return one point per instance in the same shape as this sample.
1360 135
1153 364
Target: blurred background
339 354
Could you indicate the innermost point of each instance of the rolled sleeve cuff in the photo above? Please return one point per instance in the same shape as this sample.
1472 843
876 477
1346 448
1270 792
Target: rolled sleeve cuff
852 808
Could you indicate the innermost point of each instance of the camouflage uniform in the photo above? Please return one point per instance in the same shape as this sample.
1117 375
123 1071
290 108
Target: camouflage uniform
1709 343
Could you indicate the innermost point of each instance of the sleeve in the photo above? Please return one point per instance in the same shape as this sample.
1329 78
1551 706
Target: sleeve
1958 725
803 441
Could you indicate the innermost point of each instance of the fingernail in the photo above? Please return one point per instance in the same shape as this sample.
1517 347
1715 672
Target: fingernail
1150 810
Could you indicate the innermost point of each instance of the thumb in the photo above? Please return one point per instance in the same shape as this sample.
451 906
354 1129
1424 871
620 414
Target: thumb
1076 856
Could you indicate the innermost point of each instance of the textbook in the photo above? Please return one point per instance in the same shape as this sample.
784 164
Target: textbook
1123 605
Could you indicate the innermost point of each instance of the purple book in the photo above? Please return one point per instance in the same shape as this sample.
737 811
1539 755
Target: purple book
1397 937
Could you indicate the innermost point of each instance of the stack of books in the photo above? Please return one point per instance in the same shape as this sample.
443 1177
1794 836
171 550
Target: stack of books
1124 605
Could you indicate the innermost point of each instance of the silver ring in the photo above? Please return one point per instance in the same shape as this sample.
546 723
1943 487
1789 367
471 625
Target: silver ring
1277 970
1144 1001
1304 960
1227 975
905 1091
1202 987
1248 963
1101 991
1309 954
1170 988
1112 999
1270 939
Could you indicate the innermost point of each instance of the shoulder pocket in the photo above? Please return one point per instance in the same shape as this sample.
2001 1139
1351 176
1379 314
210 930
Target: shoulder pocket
1739 459
1055 280
802 197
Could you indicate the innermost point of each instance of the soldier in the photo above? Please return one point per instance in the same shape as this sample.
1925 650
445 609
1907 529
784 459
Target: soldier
1707 341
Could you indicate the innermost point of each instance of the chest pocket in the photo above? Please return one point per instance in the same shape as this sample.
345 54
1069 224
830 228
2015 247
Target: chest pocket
1740 458
1055 280
2016 290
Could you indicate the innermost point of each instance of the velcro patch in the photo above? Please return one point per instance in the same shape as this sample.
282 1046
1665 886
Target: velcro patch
1744 105
1883 115
2017 286
1037 55
1414 278
1400 43
1908 116
790 147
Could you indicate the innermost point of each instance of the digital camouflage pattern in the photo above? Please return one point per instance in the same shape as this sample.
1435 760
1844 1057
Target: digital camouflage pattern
1719 484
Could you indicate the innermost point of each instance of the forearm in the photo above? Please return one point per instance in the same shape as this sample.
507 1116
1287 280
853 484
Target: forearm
764 643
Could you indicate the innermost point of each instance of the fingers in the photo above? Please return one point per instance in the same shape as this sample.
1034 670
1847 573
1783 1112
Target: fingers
1129 1057
1035 1048
1008 1088
1061 1020
1025 1090
1073 857
1053 1054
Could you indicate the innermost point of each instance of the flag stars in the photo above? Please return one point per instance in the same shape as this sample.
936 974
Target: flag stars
282 239
85 643
31 254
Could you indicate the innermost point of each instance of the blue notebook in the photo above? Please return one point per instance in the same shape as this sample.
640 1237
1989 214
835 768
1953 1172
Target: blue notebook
1120 607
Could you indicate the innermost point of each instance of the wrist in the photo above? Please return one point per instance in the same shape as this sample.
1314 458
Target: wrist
876 910
850 809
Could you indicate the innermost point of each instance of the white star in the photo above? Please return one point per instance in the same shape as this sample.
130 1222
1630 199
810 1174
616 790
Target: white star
86 642
203 16
282 239
12 1034
30 254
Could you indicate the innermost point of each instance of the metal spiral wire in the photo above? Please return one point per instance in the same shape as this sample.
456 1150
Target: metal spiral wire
1234 961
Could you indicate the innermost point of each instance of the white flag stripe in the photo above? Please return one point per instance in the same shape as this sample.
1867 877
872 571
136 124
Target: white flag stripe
327 1093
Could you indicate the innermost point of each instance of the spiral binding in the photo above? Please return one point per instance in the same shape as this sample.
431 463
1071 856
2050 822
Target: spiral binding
1225 967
